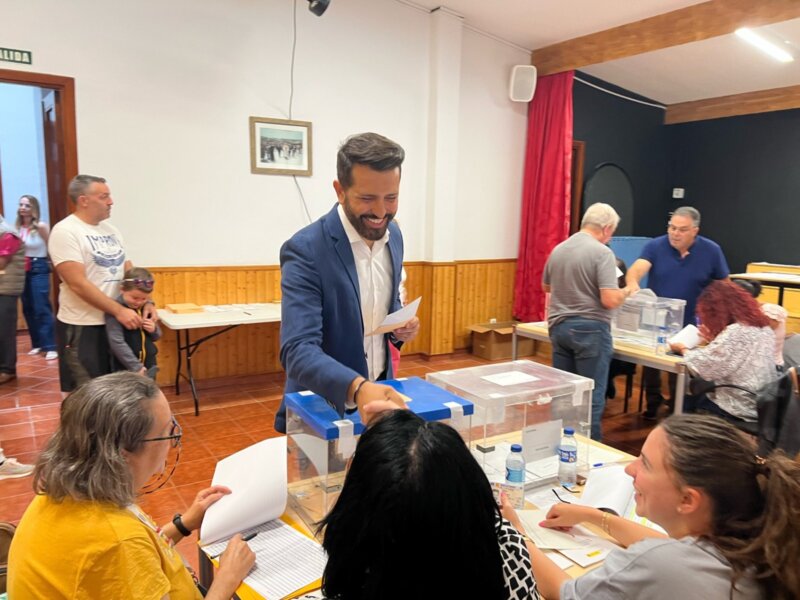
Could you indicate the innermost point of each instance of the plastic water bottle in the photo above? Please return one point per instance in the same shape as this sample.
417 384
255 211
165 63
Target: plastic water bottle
515 477
661 343
568 458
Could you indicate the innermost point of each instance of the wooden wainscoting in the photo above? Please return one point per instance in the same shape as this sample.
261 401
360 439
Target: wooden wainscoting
243 351
454 296
484 290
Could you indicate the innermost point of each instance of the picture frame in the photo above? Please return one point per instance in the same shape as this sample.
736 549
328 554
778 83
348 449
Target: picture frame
280 147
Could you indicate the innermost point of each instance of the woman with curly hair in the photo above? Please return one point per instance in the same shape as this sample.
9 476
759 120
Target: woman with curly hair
740 351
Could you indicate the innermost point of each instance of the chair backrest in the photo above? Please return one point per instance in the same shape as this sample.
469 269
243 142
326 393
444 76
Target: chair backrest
778 405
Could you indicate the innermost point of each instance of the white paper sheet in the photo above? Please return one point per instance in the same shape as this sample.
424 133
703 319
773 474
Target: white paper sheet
286 560
689 336
258 480
593 548
550 539
562 562
510 378
398 319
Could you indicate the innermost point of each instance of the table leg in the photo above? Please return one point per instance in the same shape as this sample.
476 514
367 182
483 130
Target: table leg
178 370
191 375
680 389
514 343
780 295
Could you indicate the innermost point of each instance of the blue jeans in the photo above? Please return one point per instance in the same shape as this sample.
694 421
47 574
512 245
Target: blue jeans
584 347
36 305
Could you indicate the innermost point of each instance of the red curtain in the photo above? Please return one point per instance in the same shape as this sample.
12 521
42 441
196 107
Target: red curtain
545 191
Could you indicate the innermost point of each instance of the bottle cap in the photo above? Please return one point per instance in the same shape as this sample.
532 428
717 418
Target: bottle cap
569 431
516 448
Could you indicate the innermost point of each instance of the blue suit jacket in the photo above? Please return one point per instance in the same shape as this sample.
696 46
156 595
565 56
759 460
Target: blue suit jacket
322 331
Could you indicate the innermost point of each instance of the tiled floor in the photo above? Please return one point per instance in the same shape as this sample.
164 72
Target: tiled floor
235 413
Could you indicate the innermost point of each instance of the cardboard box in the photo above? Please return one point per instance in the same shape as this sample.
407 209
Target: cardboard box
493 341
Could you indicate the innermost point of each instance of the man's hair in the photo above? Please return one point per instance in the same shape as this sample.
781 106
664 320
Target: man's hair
84 460
369 149
79 184
413 490
600 215
687 211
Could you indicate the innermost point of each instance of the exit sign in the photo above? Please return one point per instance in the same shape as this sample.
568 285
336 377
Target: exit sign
15 56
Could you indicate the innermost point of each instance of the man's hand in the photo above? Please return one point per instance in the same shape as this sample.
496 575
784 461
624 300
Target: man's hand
374 398
128 317
409 331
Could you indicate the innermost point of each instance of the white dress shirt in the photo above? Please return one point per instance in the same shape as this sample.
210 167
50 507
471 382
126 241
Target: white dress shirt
374 268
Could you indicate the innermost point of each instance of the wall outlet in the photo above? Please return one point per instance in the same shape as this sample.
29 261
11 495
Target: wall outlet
678 193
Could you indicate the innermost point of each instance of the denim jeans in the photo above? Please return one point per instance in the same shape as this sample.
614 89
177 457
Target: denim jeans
36 305
584 347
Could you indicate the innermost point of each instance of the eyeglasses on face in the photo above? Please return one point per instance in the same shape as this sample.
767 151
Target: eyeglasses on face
175 434
674 228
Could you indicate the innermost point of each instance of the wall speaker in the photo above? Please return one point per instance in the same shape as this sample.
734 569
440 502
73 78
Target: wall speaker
523 83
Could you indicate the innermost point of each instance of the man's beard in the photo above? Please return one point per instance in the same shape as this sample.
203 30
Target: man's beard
364 230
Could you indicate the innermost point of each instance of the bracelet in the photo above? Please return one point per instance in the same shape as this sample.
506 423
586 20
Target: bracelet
358 388
178 522
604 523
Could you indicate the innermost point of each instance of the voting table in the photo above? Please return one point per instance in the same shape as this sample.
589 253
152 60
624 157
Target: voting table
225 316
633 353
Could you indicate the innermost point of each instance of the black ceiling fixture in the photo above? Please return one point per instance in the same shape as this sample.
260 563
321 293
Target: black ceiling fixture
318 6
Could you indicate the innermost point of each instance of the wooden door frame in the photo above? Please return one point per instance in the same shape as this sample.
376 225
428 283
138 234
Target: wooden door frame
65 86
578 154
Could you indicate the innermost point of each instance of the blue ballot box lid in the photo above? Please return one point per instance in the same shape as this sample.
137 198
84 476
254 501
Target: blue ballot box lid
427 400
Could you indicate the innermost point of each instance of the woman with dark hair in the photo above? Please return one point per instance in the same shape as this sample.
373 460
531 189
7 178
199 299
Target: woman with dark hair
416 519
740 351
83 536
36 296
732 519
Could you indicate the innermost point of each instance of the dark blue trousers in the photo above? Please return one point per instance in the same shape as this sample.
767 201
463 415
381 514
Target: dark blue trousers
36 305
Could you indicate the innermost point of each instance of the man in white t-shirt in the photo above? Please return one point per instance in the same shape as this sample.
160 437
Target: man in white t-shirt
89 256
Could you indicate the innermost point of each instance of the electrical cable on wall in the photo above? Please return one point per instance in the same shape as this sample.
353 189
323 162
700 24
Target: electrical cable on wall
291 101
597 87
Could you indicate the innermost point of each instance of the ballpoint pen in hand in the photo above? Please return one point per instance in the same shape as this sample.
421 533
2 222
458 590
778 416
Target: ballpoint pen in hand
246 538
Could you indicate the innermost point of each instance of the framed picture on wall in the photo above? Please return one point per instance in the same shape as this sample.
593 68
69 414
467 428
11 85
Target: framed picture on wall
280 146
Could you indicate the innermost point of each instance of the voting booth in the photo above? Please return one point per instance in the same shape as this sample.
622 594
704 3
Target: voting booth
644 317
320 442
523 402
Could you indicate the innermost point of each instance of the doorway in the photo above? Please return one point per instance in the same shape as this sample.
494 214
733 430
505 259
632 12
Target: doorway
60 148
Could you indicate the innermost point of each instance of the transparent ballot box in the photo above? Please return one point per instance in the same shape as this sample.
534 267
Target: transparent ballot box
523 402
644 316
320 442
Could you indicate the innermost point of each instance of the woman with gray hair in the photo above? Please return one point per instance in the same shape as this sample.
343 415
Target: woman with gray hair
83 536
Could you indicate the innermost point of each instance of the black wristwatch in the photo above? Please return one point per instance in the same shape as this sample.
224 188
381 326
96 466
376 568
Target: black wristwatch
176 520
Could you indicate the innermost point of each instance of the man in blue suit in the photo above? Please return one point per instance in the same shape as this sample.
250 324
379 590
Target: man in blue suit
340 277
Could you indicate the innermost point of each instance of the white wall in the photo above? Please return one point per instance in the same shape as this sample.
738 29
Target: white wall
492 158
164 91
22 148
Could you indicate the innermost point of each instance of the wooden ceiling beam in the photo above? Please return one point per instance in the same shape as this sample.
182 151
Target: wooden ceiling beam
784 98
690 24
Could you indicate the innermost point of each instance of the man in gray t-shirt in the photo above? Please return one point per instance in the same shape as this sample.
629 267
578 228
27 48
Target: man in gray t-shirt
581 277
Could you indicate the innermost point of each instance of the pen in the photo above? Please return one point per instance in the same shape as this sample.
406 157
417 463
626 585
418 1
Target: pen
246 538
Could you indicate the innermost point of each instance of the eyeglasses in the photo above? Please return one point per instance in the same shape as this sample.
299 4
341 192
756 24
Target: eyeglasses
175 434
675 228
136 281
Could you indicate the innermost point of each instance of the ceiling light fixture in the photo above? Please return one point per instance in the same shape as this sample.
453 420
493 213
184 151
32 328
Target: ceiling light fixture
765 45
318 6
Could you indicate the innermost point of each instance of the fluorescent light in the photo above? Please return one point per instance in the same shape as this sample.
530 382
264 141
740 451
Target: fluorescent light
764 45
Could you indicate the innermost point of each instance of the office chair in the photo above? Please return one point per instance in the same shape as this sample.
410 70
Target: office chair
778 407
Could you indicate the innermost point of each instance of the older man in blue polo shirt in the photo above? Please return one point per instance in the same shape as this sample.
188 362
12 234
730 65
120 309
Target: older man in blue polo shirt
681 264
